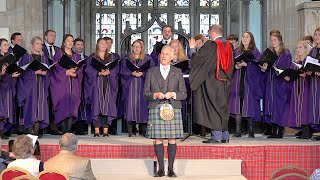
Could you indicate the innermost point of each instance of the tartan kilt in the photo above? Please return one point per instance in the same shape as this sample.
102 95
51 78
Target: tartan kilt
161 129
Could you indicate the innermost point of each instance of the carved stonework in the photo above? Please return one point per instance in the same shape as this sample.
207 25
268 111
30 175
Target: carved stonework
309 17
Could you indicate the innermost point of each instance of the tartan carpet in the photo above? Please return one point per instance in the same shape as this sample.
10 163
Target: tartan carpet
258 162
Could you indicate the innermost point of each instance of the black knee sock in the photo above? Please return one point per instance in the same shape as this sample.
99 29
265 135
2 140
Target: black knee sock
238 123
280 131
172 149
36 128
159 150
250 125
274 129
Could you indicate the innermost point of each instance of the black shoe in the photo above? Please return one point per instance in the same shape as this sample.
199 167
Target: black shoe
225 141
307 137
56 133
299 137
317 138
96 135
298 133
275 136
4 137
211 141
237 134
251 135
104 135
160 173
171 173
129 134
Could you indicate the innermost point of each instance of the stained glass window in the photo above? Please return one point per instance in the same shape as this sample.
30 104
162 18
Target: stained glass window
105 27
131 2
105 2
154 32
182 22
206 20
181 3
207 3
131 22
160 2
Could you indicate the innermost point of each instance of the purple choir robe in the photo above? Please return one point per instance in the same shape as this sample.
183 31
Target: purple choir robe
7 101
101 104
65 90
281 90
32 94
299 102
136 106
314 98
252 89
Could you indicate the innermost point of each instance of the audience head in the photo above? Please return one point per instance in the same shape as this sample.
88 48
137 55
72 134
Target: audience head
309 39
215 31
277 44
233 39
68 142
303 50
200 39
166 55
178 50
4 46
247 42
79 45
36 45
67 42
316 38
23 147
50 36
16 38
166 32
137 50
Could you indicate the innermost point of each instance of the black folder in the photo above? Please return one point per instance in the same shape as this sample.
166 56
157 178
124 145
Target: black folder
37 65
134 67
18 51
246 56
12 68
292 73
312 64
8 59
183 65
68 63
99 66
268 57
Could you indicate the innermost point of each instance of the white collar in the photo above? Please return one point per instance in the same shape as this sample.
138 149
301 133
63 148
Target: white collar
48 45
162 66
217 37
164 41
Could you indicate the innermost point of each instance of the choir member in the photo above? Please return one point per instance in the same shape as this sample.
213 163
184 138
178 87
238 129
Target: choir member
32 90
233 39
246 90
196 43
276 91
136 106
166 34
101 88
16 38
314 94
79 47
298 112
165 85
309 39
48 47
65 86
7 93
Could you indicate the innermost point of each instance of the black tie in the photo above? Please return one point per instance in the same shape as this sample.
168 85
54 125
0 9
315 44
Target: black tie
50 52
166 42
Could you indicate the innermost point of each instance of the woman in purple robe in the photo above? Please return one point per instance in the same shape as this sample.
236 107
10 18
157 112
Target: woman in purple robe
246 89
277 89
101 88
298 112
7 93
65 86
136 106
314 94
32 90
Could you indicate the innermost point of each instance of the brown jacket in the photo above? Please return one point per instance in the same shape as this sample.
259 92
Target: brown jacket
76 167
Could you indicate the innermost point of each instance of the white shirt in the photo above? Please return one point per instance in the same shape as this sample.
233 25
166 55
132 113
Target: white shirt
166 41
48 48
164 70
30 164
217 38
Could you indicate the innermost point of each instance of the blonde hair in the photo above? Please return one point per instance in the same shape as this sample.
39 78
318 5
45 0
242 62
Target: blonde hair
33 40
141 56
180 54
298 58
317 30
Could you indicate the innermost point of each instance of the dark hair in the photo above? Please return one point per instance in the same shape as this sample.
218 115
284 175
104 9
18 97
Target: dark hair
106 55
282 47
78 39
199 37
233 37
108 39
13 36
252 43
274 31
2 39
308 38
48 31
64 40
166 26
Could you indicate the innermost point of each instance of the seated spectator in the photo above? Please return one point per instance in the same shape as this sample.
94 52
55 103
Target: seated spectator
67 162
23 149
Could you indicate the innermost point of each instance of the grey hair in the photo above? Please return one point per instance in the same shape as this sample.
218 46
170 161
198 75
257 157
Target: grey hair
217 28
23 147
168 47
68 142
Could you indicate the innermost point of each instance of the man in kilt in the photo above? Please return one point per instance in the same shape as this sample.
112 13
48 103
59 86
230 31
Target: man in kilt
165 85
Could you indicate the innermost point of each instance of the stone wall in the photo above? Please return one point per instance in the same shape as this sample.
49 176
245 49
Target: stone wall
25 16
309 17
